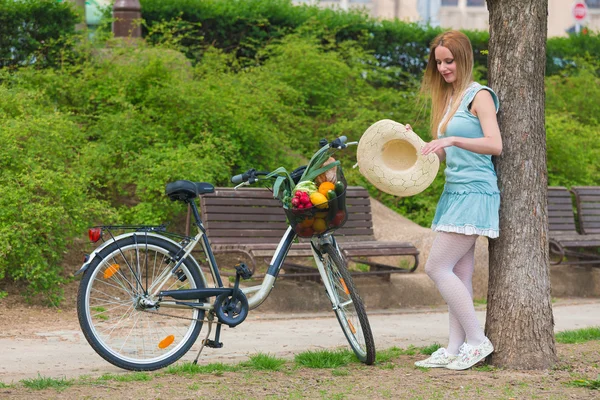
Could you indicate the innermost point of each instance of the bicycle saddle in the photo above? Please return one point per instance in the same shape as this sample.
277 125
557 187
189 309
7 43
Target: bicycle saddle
187 190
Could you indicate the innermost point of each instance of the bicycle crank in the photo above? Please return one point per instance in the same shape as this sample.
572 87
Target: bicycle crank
232 309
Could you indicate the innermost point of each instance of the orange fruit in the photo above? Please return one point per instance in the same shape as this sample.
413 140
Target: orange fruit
326 187
307 223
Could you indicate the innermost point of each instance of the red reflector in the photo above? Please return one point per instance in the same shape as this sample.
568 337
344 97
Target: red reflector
95 234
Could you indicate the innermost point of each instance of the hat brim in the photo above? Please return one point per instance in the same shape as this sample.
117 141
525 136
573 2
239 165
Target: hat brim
389 156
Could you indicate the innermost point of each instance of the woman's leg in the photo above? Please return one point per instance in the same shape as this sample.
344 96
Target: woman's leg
464 270
447 250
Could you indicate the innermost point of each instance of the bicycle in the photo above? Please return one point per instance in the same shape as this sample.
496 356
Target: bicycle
143 296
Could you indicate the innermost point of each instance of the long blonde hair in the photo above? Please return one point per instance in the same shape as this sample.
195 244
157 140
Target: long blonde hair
434 84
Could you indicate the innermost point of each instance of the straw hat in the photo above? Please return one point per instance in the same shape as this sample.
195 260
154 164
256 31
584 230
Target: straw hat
389 156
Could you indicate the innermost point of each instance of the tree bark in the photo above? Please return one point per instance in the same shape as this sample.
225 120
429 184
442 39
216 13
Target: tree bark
519 319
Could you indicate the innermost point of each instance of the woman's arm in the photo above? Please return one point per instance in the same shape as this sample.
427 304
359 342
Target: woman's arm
441 153
491 143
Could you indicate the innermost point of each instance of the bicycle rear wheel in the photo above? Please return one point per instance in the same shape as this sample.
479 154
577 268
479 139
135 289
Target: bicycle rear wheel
114 304
348 306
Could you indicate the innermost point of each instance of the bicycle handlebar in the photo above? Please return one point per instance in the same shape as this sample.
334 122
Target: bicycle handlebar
250 176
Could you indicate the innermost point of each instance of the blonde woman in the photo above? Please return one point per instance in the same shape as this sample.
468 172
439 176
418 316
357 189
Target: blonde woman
466 135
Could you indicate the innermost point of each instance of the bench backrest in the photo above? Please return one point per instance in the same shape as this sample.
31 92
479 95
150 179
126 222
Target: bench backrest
561 217
252 215
587 199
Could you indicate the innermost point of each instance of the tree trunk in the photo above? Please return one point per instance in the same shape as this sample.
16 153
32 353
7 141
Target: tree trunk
519 319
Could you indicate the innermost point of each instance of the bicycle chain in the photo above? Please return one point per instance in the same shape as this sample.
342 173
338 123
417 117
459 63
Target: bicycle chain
178 317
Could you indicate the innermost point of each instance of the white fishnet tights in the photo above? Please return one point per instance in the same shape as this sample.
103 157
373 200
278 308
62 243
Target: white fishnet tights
450 265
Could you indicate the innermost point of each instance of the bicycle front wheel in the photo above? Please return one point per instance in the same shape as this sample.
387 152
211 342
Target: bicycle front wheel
118 314
348 306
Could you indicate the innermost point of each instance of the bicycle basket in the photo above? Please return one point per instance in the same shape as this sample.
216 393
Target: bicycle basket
318 220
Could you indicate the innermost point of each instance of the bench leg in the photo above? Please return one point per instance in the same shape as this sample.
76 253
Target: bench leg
556 249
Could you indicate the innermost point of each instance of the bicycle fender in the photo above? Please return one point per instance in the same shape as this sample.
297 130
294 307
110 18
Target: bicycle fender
96 252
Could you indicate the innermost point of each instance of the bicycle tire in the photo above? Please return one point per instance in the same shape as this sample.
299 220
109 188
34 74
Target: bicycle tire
350 310
127 335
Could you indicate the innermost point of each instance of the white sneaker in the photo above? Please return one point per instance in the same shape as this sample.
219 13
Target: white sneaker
439 359
471 355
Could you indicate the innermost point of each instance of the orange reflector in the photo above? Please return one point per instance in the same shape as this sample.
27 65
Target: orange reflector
352 328
166 342
344 285
110 271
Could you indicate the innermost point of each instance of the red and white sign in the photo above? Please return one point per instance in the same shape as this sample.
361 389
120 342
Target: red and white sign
580 11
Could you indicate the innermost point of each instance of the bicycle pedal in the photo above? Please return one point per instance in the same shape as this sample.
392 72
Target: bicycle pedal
243 271
213 344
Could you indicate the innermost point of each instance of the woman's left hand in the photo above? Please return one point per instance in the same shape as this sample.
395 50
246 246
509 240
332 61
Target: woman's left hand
435 145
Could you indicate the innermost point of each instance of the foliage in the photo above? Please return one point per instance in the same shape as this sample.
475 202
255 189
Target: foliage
575 91
561 52
30 29
244 27
572 124
46 200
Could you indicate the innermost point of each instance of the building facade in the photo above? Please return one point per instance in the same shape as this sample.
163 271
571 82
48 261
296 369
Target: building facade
463 14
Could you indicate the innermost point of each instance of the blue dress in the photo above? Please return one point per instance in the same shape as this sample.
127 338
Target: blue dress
471 200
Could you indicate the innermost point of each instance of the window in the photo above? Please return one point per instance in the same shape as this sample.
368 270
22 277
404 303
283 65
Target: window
475 3
593 3
449 2
360 1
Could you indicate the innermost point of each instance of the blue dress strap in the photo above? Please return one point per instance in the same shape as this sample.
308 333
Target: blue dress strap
473 90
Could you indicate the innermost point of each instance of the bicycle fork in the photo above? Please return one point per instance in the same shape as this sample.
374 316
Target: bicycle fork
319 260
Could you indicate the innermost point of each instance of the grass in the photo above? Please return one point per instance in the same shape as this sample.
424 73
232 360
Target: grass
479 302
189 368
578 336
386 355
262 362
593 384
428 350
130 377
41 383
340 372
337 361
485 368
325 358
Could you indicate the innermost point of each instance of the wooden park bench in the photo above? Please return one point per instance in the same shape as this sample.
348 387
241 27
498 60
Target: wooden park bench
587 199
250 221
567 244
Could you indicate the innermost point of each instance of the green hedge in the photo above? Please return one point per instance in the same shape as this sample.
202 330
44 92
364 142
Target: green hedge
243 27
29 30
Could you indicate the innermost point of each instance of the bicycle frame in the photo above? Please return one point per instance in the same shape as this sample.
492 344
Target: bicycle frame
256 294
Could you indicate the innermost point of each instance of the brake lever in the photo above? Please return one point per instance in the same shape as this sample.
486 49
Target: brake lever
240 185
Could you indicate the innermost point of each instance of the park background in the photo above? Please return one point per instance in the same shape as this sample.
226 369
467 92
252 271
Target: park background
92 128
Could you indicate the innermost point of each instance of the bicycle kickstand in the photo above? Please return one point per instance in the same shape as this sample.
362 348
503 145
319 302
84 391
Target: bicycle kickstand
206 341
